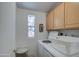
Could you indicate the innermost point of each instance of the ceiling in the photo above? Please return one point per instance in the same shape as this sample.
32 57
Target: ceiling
37 6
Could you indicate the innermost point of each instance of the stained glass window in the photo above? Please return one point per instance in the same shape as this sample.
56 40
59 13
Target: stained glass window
31 25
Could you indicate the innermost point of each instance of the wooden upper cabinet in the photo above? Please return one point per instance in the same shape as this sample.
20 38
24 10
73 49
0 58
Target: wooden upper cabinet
59 17
64 16
72 15
49 21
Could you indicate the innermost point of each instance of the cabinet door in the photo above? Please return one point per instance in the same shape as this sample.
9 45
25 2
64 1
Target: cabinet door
71 15
40 50
46 53
49 21
59 17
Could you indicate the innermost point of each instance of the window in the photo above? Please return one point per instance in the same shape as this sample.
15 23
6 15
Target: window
31 25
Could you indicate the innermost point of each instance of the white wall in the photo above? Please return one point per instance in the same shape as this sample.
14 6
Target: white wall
22 39
7 28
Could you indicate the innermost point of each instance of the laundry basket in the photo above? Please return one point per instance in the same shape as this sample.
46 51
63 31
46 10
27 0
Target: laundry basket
21 52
